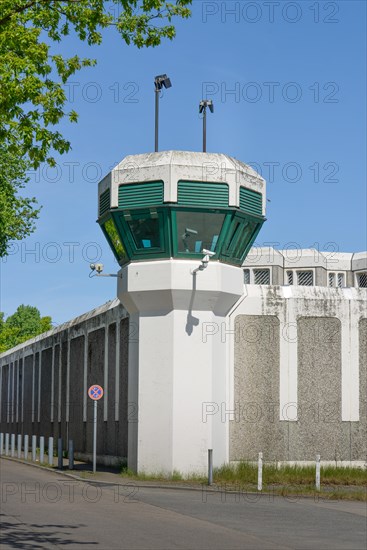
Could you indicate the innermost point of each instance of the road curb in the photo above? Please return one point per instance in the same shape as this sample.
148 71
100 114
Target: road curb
136 483
202 488
130 482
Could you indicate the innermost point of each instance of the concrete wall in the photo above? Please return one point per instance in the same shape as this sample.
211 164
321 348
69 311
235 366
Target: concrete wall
299 387
44 382
297 381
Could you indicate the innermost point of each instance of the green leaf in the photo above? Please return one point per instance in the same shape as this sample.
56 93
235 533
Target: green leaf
25 323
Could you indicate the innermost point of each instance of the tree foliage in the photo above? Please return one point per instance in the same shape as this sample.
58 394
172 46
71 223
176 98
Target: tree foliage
25 323
33 75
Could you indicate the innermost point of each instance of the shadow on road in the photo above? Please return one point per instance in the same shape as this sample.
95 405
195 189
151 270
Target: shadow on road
31 536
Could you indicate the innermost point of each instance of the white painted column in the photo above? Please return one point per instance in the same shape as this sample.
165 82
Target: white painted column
12 391
39 385
288 373
117 369
17 391
67 405
33 383
52 404
19 446
105 370
85 375
8 395
23 375
349 318
59 385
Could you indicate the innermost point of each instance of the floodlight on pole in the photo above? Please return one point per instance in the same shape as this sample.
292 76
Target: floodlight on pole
160 81
204 103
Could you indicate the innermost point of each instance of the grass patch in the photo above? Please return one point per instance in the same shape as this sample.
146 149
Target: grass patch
343 476
337 483
335 493
161 476
142 476
44 464
245 472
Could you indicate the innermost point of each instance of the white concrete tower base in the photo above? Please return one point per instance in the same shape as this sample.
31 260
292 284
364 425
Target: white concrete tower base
175 371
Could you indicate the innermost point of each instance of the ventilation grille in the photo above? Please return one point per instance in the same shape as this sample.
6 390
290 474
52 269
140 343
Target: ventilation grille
362 279
305 278
262 276
104 202
246 276
206 195
250 201
141 195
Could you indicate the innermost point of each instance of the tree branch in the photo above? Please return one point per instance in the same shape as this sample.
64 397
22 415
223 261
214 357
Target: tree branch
30 4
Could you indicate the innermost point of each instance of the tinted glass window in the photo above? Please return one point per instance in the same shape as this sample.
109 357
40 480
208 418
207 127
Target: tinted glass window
145 231
198 230
111 231
240 237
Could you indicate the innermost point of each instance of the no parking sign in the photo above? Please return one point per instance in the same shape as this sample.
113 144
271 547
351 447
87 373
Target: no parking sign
95 392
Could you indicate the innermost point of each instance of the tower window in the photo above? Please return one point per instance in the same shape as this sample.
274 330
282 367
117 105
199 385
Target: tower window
305 278
290 277
336 280
362 279
246 276
262 276
198 230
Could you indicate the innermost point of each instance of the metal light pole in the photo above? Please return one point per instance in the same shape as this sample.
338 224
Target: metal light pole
204 103
160 81
204 130
157 92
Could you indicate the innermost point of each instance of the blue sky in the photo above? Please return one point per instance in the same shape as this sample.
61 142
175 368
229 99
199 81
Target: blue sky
289 88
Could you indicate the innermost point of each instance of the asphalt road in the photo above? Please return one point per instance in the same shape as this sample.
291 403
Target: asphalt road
41 509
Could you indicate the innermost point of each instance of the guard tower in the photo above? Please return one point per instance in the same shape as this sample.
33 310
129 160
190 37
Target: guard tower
159 211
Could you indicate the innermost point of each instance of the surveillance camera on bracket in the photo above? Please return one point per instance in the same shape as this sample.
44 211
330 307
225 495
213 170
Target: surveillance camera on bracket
208 252
99 268
96 267
205 261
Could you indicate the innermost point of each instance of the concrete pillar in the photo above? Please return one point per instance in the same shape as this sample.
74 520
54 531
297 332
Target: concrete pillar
19 446
178 373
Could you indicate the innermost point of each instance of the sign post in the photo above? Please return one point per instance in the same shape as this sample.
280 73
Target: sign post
95 392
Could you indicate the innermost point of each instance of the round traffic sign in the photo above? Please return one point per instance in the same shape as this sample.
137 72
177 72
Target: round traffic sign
95 392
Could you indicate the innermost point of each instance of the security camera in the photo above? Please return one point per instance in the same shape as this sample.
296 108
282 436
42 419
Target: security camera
98 268
189 232
204 262
208 252
207 255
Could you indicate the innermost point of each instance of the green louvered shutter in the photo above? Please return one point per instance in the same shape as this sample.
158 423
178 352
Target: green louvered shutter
141 195
104 202
206 195
250 201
